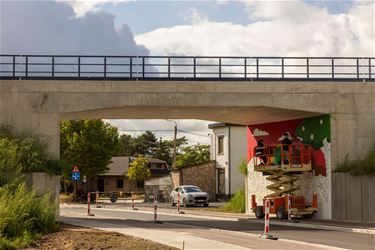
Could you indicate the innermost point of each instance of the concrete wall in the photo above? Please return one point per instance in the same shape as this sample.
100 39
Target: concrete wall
353 197
203 176
45 183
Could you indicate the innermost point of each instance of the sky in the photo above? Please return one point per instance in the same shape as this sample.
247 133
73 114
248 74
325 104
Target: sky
217 28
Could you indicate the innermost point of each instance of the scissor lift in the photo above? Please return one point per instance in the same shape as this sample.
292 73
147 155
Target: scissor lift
282 168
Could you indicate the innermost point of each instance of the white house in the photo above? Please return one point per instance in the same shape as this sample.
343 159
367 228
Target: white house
228 149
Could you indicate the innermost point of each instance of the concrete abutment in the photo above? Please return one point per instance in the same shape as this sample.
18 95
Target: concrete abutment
41 105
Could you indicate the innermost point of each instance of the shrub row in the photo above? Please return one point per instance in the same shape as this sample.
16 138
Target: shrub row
237 203
359 166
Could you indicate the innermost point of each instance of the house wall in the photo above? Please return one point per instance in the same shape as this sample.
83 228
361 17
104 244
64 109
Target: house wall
203 176
110 184
222 160
238 153
235 150
176 178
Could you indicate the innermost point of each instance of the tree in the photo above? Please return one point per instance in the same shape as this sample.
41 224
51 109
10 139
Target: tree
193 155
138 169
89 144
126 146
145 144
148 145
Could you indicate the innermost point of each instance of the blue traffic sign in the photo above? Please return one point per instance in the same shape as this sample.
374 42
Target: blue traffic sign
76 176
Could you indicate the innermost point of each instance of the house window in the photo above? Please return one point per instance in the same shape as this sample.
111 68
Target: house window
120 183
220 142
140 184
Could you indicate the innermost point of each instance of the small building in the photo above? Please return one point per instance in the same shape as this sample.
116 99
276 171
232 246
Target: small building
115 179
203 176
228 150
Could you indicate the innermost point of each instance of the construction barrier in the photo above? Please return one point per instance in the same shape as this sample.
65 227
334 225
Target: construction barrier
289 207
266 234
178 202
133 200
155 209
267 218
97 199
88 204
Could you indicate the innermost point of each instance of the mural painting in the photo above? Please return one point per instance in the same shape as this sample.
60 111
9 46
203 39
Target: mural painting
313 131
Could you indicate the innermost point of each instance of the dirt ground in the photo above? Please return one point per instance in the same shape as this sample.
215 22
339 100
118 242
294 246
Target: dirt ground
74 238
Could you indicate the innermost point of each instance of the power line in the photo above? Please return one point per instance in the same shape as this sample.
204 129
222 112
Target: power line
142 130
161 130
183 131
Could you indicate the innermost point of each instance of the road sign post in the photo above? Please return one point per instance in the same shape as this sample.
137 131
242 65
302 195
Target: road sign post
76 176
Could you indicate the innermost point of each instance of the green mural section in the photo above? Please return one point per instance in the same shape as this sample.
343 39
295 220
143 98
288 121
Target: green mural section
314 130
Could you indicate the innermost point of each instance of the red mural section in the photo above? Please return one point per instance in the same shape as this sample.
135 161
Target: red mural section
272 133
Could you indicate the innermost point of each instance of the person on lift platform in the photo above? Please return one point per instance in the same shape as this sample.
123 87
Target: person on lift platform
260 152
286 140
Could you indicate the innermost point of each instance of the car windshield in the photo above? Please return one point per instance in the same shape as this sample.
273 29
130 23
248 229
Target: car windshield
192 189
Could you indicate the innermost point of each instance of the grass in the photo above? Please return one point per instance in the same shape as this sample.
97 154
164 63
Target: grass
359 166
237 203
24 216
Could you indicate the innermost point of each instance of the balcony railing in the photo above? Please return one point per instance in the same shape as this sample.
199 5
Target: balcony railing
188 68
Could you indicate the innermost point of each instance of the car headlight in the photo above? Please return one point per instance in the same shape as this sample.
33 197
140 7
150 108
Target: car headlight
190 196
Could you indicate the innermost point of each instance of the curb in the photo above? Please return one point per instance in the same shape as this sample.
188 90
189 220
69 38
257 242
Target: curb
317 226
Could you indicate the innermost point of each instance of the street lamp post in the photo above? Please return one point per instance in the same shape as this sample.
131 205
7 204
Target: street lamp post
174 143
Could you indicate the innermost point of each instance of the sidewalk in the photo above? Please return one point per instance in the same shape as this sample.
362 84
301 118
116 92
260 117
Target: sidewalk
191 237
151 232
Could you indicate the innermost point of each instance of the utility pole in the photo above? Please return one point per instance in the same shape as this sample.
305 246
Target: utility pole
174 144
174 147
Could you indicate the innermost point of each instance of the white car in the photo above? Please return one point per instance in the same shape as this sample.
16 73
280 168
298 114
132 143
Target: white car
189 196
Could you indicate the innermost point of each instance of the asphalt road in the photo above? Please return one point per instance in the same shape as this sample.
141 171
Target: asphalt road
315 236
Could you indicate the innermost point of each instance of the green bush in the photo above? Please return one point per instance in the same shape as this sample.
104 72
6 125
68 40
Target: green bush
24 216
242 167
237 203
24 152
364 166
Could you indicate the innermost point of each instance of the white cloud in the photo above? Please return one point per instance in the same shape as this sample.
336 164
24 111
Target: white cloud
81 7
48 27
287 28
197 17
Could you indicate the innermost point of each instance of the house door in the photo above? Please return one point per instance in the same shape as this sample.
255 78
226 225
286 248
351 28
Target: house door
221 181
100 185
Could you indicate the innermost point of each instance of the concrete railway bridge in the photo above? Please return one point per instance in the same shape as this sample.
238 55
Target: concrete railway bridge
38 92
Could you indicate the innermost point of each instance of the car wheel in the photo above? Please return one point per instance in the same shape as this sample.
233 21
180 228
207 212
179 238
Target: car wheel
259 212
184 203
171 200
206 204
281 213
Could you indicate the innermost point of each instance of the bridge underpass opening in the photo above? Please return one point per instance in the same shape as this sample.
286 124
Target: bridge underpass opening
257 123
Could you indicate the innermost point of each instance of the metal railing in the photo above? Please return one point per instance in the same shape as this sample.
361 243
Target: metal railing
82 67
